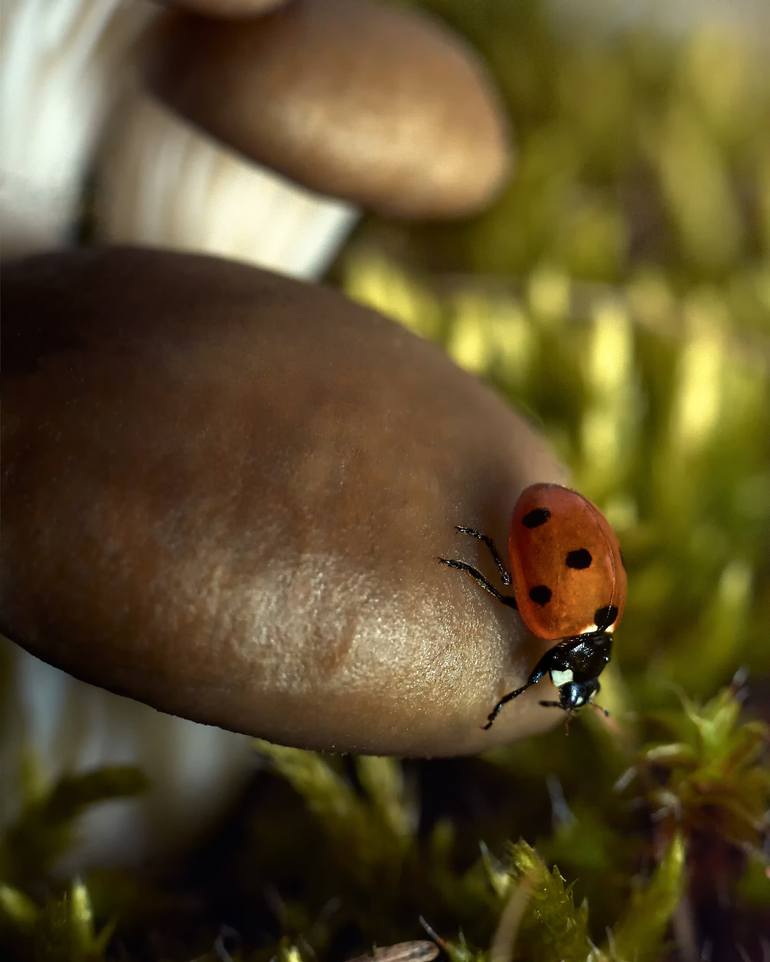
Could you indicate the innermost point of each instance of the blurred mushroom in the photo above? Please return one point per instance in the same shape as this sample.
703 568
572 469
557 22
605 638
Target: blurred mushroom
224 495
63 64
226 8
164 182
277 129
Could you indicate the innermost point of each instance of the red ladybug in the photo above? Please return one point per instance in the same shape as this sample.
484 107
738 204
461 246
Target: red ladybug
569 584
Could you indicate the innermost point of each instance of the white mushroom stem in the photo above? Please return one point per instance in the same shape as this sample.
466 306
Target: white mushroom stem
67 726
62 65
161 181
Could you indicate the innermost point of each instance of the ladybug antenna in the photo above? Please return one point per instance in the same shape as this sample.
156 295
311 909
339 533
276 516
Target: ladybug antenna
599 708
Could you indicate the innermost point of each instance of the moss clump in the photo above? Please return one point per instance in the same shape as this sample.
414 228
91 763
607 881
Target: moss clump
369 834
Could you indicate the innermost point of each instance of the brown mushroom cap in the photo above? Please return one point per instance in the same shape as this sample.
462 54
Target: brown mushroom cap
226 8
366 101
225 492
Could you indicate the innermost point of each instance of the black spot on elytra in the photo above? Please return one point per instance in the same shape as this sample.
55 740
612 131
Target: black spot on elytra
536 517
540 594
604 617
579 558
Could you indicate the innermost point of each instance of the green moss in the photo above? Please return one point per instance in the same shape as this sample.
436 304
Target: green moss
61 929
388 854
711 779
46 827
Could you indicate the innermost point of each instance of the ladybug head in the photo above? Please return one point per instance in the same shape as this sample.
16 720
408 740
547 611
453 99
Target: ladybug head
577 693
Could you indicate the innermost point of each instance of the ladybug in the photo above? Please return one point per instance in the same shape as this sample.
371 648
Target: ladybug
569 586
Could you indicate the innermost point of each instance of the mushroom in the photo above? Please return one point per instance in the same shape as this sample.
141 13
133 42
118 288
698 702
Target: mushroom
227 8
63 65
224 495
271 132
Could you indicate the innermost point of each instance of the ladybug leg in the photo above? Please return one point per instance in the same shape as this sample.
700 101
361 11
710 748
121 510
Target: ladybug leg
538 672
504 574
480 580
503 701
554 658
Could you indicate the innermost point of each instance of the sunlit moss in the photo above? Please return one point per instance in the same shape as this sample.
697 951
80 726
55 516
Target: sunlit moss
62 929
641 932
632 146
712 781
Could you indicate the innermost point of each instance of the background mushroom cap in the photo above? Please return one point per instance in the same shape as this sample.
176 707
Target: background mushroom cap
379 105
226 8
225 493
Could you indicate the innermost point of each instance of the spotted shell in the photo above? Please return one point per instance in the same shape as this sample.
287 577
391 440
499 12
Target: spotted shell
567 570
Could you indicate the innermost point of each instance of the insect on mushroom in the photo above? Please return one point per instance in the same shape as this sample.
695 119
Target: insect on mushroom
569 586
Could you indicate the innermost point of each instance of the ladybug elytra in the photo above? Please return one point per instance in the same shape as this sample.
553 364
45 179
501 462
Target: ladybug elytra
569 586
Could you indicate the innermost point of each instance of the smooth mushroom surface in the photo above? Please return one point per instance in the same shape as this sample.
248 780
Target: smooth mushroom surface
225 493
226 8
362 100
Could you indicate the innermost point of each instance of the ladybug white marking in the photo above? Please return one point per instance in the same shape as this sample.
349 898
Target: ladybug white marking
560 678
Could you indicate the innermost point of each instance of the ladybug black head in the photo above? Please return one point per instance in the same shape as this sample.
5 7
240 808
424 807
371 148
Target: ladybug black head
577 693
